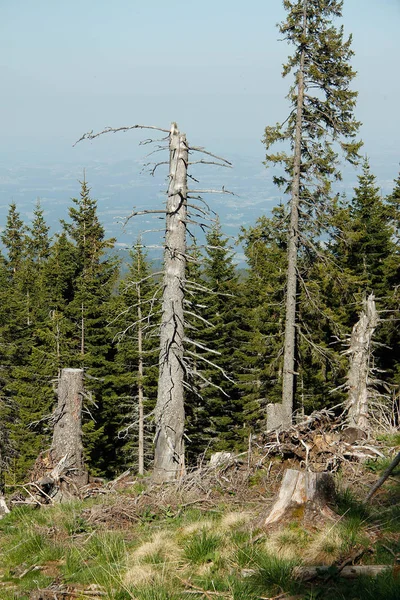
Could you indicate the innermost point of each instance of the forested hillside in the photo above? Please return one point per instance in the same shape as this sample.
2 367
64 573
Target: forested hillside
65 304
197 357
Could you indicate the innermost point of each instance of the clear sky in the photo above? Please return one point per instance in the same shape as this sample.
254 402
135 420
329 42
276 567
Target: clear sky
212 65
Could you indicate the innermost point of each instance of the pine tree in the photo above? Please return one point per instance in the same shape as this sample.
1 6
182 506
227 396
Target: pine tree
221 338
13 238
196 413
135 330
321 120
265 247
88 312
30 364
370 242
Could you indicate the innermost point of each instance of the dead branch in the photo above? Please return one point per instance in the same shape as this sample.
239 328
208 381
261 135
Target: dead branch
222 191
210 162
203 151
382 480
91 136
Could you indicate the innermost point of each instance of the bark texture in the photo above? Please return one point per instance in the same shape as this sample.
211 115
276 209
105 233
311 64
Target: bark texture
348 572
360 352
66 447
4 510
169 413
300 490
140 378
288 377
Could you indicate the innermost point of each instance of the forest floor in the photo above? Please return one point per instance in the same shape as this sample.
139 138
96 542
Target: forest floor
204 539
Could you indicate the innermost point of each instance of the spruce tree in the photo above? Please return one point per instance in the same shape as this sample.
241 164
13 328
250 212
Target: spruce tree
265 247
88 312
13 238
320 123
134 380
221 338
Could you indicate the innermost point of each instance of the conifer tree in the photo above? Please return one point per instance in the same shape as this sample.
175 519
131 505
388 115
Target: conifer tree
88 312
320 122
135 331
221 337
13 238
265 247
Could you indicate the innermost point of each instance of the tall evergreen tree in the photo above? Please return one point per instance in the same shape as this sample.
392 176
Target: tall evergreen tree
13 238
135 331
88 311
265 247
221 338
321 119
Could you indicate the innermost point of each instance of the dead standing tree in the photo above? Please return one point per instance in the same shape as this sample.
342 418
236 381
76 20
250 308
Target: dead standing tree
169 457
360 353
169 460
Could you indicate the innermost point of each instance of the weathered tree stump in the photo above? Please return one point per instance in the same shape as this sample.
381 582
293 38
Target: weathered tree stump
3 506
67 473
359 375
302 494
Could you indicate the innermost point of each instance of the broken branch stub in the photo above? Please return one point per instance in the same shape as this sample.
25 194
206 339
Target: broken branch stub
169 413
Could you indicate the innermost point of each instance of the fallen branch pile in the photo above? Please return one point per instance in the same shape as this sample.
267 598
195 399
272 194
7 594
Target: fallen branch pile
319 443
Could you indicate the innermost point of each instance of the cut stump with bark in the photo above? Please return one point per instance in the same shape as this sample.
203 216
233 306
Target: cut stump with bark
65 472
303 494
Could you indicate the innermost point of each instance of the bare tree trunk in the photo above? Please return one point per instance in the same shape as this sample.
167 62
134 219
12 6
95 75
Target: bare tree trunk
293 243
169 461
140 375
82 331
67 436
360 352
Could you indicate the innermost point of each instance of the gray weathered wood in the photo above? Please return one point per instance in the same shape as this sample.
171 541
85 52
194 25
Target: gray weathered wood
4 510
169 461
66 448
349 572
360 352
381 480
299 488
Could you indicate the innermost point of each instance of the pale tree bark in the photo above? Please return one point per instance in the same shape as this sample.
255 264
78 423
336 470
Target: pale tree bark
305 490
169 463
360 351
288 376
66 447
140 373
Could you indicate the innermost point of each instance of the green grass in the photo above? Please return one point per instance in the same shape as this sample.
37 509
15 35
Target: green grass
182 549
202 547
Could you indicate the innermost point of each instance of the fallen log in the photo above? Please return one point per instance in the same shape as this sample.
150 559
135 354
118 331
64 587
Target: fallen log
349 572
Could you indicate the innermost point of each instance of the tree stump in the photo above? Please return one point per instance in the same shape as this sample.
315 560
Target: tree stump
303 494
359 376
66 472
4 510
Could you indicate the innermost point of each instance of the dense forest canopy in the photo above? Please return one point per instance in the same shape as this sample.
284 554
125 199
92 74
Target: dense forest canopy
280 328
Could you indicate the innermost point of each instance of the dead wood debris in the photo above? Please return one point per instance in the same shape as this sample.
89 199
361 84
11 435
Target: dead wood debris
319 443
58 591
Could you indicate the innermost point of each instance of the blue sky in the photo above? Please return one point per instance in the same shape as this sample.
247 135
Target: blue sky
213 66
